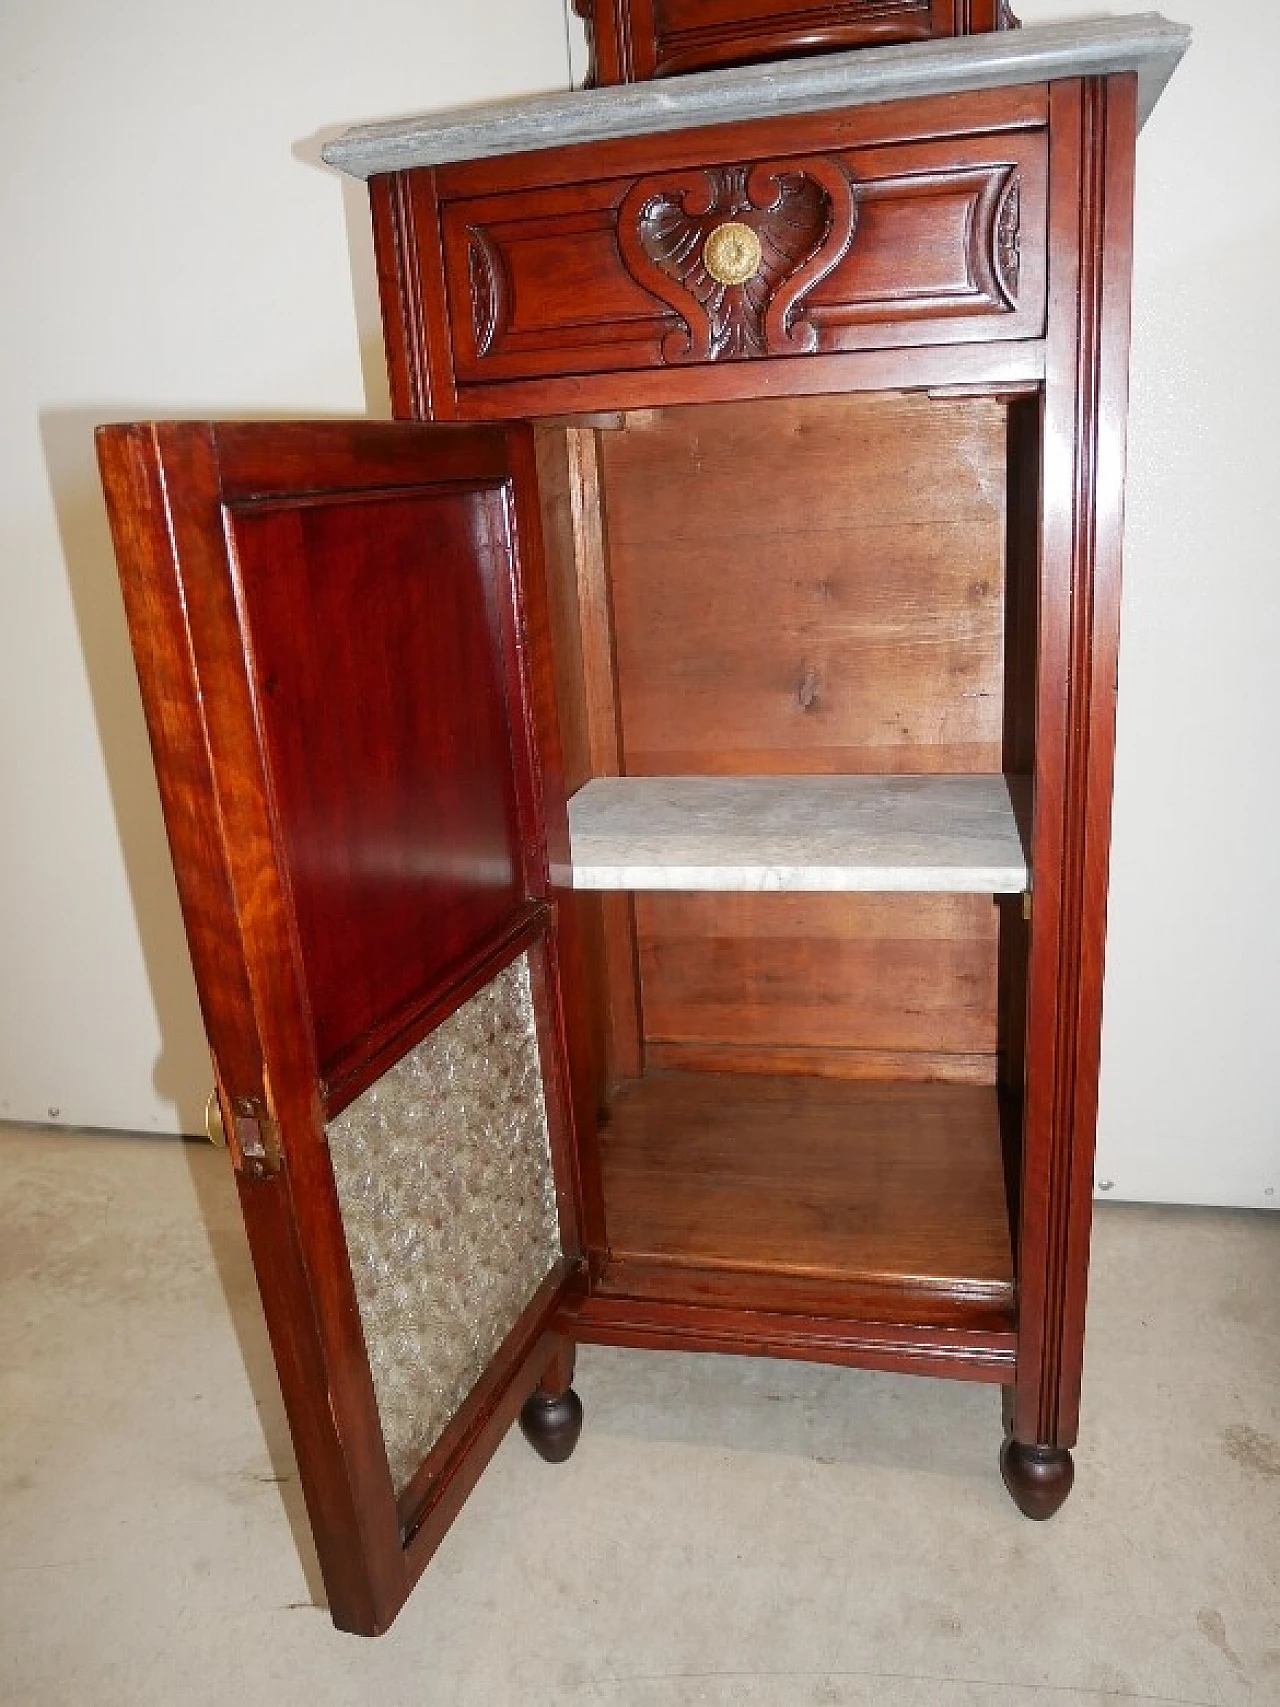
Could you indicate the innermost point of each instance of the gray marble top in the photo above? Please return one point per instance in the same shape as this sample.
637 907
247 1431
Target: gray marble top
1145 43
878 833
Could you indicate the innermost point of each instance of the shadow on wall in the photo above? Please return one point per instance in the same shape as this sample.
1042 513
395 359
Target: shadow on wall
182 1072
365 301
182 1075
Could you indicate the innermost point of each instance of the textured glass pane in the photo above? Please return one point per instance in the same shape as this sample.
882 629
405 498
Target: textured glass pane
444 1177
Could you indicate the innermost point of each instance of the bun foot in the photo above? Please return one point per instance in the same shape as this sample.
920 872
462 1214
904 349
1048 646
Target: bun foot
1038 1478
552 1425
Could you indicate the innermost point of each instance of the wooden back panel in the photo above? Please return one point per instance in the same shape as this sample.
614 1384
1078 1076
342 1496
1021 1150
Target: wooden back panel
748 588
848 986
809 585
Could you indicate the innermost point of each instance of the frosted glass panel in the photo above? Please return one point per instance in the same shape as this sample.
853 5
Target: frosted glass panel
443 1169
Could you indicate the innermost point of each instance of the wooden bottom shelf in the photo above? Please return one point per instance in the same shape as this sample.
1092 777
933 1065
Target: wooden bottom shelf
863 1200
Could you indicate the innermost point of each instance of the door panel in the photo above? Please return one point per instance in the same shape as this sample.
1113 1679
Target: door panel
327 624
397 813
459 1122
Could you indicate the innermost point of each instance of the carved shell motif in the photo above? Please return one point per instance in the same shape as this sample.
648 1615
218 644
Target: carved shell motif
734 250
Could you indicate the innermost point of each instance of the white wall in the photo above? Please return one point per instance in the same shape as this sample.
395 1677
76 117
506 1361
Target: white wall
1190 1103
173 248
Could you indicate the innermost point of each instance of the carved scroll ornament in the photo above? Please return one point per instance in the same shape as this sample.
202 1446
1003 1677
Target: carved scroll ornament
1009 239
735 250
488 288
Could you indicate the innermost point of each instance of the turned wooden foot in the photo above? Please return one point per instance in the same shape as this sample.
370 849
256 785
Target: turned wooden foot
1038 1478
552 1423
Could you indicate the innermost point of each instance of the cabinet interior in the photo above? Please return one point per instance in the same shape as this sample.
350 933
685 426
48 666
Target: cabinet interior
808 1086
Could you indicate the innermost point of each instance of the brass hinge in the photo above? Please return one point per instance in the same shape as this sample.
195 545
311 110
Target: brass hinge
1026 905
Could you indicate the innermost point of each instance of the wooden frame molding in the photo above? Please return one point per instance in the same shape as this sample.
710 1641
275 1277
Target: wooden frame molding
1085 399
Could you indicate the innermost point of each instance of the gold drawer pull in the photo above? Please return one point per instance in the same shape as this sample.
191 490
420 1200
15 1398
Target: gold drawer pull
732 254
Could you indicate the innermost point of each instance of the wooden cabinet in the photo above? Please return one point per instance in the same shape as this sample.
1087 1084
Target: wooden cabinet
642 818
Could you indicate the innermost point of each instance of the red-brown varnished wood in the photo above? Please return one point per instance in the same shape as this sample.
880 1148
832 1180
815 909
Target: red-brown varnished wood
632 40
991 367
981 1309
983 113
583 654
980 195
264 621
348 602
1081 534
542 762
874 986
1063 478
980 1353
894 244
410 268
894 1186
775 616
853 1129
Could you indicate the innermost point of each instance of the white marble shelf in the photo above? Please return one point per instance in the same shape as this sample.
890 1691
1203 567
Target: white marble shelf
1144 43
934 833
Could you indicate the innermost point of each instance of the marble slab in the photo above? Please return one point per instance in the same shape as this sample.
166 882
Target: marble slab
827 833
1145 43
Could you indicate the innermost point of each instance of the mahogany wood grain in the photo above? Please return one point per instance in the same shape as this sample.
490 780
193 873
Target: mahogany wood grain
814 1061
533 694
587 1039
773 615
617 928
893 245
369 694
559 506
878 985
805 622
832 1298
891 1185
633 40
582 644
1094 128
981 113
185 501
421 325
401 292
906 1348
992 368
383 770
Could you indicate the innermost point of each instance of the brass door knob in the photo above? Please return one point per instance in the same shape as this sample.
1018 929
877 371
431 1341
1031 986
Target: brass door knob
214 1129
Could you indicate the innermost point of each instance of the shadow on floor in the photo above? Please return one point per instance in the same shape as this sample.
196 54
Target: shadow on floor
219 1208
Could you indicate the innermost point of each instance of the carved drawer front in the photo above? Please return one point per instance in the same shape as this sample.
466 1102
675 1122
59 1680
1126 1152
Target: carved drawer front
919 242
639 39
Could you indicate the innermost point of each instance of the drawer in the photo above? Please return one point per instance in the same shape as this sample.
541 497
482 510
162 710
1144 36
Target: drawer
717 255
654 38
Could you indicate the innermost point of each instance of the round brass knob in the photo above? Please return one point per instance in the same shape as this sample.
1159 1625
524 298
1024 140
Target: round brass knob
732 253
214 1129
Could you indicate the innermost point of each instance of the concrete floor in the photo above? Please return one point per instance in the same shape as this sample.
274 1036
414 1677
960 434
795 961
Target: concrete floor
730 1533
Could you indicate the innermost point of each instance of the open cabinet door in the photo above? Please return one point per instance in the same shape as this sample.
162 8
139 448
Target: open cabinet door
330 625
